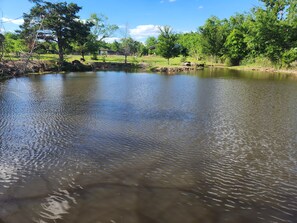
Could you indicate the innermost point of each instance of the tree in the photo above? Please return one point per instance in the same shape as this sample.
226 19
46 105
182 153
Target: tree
167 43
236 46
276 7
131 46
55 22
116 46
191 42
13 43
151 44
267 34
100 31
213 36
83 37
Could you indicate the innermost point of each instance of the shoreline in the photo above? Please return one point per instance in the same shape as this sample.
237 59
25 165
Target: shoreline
291 72
10 69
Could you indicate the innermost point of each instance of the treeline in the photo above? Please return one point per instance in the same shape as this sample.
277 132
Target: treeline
265 32
268 32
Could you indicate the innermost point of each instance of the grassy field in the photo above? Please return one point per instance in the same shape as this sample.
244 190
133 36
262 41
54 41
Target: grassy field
150 60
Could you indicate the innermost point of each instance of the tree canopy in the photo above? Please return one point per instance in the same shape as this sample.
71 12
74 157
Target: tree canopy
167 45
57 22
266 32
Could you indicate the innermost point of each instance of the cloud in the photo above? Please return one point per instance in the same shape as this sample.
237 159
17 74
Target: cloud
172 0
112 39
12 21
141 32
200 7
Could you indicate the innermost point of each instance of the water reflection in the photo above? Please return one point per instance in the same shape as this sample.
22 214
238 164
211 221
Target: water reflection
118 147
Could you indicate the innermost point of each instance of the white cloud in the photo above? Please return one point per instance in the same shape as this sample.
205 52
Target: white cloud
200 7
112 39
12 21
141 32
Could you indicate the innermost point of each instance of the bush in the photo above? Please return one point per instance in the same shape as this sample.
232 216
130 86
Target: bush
289 57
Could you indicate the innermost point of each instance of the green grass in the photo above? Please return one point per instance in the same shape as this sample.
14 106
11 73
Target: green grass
154 61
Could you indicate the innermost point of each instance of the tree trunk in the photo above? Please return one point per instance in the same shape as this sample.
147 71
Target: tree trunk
125 58
61 53
168 61
83 54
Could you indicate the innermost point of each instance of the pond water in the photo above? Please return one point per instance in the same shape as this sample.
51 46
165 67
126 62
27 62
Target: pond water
215 146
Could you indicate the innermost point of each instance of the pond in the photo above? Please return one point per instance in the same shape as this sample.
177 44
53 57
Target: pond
214 146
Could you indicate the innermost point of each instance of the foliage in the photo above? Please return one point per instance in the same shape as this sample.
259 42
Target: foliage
267 35
235 47
151 44
116 46
167 45
101 29
289 56
13 44
214 34
192 43
54 22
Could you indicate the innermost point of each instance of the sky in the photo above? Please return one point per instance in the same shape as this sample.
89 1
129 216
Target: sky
142 17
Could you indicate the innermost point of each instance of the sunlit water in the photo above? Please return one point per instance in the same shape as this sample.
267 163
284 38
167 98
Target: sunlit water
119 147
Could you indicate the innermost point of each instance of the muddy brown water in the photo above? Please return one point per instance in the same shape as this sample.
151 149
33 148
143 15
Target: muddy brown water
215 146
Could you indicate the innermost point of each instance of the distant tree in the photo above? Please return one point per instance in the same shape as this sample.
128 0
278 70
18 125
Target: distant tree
13 44
125 42
102 29
213 36
192 43
167 43
55 22
236 47
151 44
131 46
116 46
143 50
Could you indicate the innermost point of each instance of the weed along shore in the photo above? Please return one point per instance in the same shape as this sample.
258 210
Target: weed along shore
20 68
17 68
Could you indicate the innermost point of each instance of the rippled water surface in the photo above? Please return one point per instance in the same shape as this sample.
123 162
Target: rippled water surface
118 147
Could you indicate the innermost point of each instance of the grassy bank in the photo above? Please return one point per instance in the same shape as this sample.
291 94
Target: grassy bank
151 62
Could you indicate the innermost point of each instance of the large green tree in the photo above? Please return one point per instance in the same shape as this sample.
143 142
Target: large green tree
236 47
167 45
192 42
213 36
56 22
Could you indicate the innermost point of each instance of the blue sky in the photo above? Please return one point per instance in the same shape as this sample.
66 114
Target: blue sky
142 16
